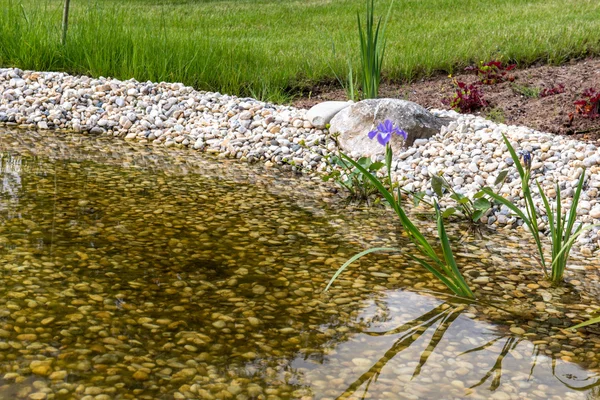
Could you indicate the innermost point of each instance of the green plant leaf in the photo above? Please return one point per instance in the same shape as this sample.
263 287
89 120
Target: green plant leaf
532 227
449 284
376 166
448 212
477 214
418 237
568 244
479 194
455 274
515 158
460 198
356 257
508 204
384 192
501 177
586 323
482 204
364 162
418 197
573 212
437 184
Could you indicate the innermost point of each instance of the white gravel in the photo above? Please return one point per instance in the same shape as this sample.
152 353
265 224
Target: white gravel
469 152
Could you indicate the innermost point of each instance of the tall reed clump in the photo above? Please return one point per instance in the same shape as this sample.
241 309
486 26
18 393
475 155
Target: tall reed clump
443 268
563 232
372 50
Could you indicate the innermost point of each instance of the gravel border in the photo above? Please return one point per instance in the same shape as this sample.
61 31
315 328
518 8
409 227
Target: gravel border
469 152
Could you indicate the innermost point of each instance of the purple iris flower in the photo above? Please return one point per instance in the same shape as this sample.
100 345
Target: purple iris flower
384 132
527 157
527 160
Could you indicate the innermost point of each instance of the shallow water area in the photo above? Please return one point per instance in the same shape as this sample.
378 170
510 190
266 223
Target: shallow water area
138 272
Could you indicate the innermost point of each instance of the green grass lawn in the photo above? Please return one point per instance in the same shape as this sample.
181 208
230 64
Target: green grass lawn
271 49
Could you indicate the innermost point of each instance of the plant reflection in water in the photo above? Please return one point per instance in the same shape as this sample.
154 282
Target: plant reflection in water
434 324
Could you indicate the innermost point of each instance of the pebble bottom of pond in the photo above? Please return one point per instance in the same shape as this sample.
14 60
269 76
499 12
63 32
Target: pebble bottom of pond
131 272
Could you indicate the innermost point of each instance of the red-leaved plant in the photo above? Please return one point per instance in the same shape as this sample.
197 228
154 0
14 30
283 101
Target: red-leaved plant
589 104
553 90
492 72
466 98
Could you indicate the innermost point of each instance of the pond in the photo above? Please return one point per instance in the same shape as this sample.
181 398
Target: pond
132 272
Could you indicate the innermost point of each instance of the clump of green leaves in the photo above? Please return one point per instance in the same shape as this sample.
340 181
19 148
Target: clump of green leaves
473 208
563 232
495 114
351 178
372 50
527 91
444 268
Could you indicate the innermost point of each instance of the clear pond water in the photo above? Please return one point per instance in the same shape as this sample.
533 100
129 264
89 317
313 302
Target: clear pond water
130 272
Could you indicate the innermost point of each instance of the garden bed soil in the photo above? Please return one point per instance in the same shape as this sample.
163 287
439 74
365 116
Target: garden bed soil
555 113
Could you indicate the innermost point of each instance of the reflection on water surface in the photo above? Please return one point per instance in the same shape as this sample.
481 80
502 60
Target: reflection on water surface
127 272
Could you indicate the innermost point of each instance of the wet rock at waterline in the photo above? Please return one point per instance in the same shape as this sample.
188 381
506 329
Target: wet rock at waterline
354 122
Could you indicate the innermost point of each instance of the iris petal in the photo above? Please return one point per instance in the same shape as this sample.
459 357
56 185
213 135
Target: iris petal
388 126
372 134
383 138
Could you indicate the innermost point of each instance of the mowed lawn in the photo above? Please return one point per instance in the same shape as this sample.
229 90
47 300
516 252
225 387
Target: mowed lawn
273 49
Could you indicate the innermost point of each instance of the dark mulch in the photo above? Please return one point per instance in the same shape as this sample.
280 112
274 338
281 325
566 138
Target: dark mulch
555 113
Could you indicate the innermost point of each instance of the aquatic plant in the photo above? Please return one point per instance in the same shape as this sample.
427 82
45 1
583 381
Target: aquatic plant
473 208
372 50
359 187
351 179
562 227
591 321
443 268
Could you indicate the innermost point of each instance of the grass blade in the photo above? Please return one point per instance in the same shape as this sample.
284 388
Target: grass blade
514 156
567 245
508 204
455 274
420 240
586 323
574 203
356 257
437 274
526 220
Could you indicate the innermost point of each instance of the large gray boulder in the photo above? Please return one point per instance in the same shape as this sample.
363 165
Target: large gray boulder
354 123
320 114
